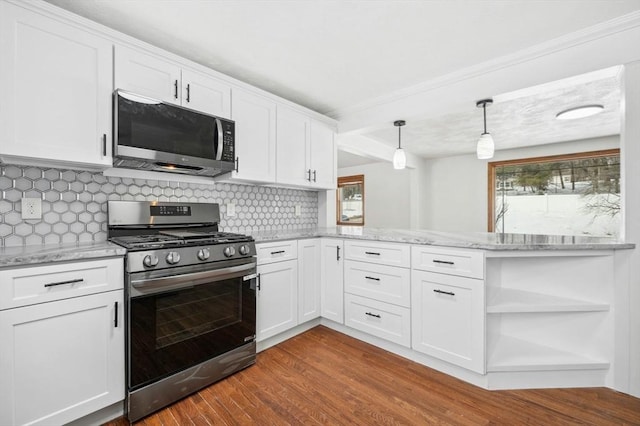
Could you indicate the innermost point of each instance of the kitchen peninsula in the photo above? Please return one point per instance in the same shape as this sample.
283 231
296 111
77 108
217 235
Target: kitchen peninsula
497 310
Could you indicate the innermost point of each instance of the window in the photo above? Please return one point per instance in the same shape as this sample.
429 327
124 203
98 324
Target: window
577 194
350 200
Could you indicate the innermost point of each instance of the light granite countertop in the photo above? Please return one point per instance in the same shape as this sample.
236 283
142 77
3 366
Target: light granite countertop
474 240
40 254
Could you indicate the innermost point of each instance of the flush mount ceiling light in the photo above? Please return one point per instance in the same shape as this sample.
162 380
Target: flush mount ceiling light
485 147
579 112
399 157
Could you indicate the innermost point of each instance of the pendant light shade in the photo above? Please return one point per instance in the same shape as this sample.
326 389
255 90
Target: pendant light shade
485 147
399 157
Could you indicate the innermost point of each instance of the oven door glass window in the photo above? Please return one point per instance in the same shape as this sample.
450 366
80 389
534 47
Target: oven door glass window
174 330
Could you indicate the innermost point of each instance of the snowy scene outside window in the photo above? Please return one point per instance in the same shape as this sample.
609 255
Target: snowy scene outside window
578 194
350 202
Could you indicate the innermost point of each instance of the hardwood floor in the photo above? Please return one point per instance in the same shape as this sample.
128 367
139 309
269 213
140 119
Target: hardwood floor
325 377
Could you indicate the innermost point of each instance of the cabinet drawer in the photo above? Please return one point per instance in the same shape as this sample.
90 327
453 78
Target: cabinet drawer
379 253
379 319
380 282
277 251
464 263
38 284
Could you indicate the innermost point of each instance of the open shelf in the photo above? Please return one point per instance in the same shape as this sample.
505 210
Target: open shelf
507 300
512 354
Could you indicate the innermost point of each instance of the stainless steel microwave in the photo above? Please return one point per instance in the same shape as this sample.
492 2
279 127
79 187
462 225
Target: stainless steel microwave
157 136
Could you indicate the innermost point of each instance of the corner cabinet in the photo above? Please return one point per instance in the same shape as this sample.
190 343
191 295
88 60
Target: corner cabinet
62 333
55 91
306 152
332 279
159 78
550 313
308 279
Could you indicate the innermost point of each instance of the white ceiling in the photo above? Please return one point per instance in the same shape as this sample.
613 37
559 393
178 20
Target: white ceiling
518 119
330 55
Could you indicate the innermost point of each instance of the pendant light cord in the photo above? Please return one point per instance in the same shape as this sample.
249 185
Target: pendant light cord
484 111
399 136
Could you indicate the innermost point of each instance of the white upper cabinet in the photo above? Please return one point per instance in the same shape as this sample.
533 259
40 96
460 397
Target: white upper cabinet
165 80
255 118
55 91
205 93
306 151
323 155
293 148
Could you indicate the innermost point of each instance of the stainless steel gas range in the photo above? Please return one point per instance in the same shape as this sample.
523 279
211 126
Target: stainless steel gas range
191 300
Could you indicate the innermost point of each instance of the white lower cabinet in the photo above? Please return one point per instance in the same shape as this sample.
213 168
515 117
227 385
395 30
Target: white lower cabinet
379 319
448 319
64 359
277 298
308 279
332 279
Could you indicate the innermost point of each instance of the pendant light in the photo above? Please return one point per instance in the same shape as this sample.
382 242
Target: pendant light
485 147
399 157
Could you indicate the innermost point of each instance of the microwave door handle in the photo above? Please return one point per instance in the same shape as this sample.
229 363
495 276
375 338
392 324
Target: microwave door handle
220 139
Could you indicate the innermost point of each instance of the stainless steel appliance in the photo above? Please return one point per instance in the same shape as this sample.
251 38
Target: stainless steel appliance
156 136
191 300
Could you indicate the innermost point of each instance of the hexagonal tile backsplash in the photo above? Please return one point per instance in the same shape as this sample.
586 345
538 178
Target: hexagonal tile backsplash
74 204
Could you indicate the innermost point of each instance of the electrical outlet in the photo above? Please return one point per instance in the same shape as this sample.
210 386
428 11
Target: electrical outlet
31 208
298 210
231 209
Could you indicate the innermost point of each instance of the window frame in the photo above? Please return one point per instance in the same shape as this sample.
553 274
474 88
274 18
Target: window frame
493 165
344 180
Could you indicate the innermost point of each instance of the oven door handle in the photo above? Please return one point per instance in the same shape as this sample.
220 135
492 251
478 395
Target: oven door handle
175 282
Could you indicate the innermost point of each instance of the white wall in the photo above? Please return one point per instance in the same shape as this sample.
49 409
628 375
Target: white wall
387 194
454 195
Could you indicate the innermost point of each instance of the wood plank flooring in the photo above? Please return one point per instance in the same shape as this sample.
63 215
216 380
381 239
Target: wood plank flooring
325 377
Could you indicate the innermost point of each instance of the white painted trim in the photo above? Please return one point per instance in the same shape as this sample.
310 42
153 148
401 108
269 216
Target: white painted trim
598 31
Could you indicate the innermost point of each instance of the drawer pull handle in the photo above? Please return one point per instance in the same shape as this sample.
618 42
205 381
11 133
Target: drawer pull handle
115 320
372 278
446 262
277 252
372 253
373 315
79 280
450 293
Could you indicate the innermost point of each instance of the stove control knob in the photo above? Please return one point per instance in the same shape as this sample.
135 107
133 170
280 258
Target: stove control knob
229 251
150 260
203 254
244 250
173 257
